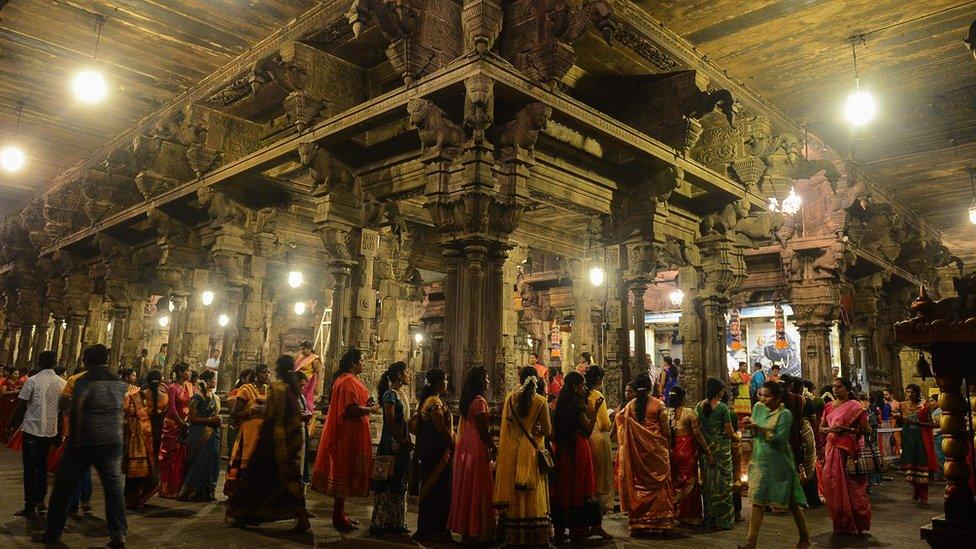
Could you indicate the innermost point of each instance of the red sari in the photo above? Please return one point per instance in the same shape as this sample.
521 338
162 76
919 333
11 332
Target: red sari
344 461
10 388
472 514
684 469
846 495
172 449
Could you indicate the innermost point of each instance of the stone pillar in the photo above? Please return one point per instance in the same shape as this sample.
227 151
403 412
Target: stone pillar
227 373
815 308
72 343
713 337
959 504
177 326
639 321
583 336
617 343
24 346
690 327
119 316
509 345
40 336
199 321
57 334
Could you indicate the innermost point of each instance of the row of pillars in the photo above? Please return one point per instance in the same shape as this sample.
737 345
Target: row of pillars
20 344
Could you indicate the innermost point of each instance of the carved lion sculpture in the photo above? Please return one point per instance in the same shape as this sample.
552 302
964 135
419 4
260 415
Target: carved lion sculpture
435 128
522 132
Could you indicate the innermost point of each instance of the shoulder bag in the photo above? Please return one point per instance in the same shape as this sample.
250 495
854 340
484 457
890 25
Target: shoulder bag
542 455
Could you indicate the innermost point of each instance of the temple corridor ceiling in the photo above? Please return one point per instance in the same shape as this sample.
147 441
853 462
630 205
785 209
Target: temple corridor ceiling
150 52
797 54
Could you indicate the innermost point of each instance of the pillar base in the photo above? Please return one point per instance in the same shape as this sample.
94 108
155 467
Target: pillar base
942 533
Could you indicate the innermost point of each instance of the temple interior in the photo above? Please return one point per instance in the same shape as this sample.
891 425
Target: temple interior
468 182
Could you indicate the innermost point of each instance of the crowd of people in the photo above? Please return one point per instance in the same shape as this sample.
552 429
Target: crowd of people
552 475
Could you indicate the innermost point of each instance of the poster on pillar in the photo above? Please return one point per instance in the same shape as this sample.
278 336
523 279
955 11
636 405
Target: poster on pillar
757 326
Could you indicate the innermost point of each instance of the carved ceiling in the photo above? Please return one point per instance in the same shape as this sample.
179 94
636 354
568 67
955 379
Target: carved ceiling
797 55
149 51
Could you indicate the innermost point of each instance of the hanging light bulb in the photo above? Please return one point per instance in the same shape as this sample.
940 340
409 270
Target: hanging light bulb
860 107
12 157
792 202
207 297
223 320
676 297
295 278
299 308
89 85
172 306
418 338
163 321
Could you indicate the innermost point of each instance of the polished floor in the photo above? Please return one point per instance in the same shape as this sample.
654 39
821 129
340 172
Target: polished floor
167 523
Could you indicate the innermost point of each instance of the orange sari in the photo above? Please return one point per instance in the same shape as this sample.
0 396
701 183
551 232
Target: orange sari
643 468
344 461
138 462
247 436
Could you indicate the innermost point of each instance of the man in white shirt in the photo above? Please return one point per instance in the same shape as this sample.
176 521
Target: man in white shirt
37 417
213 363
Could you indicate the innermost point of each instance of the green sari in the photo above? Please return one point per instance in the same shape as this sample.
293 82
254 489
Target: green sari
717 478
773 479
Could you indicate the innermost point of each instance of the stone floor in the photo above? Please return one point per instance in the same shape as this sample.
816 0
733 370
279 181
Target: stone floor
167 523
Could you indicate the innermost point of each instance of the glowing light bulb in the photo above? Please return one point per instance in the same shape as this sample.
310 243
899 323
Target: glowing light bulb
295 278
792 202
859 108
418 338
172 306
207 297
163 321
89 86
597 276
223 320
12 158
676 297
972 213
299 308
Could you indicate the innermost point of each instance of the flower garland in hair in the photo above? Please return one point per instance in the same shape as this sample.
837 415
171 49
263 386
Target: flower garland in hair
530 379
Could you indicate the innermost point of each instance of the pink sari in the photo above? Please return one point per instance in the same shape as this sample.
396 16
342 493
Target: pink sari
304 364
846 495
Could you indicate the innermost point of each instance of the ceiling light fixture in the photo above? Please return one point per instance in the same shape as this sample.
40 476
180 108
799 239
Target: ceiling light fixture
163 321
207 297
860 107
295 278
12 157
676 297
299 308
597 275
89 85
972 206
223 320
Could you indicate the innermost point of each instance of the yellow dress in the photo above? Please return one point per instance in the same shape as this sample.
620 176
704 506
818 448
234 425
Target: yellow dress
520 491
602 453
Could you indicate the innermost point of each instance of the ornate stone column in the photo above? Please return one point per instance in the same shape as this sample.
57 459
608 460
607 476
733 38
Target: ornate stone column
24 346
72 342
119 315
815 308
617 341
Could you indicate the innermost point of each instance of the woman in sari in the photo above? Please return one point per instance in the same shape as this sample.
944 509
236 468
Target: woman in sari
554 384
688 443
573 491
139 459
773 480
521 492
247 375
716 461
390 490
248 413
600 438
9 390
435 444
845 421
203 443
172 448
270 487
156 397
643 462
669 379
918 459
344 461
472 515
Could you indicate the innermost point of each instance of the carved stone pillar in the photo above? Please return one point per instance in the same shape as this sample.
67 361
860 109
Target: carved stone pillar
691 328
72 343
119 316
40 336
227 373
24 346
583 335
57 333
639 321
815 308
617 341
509 345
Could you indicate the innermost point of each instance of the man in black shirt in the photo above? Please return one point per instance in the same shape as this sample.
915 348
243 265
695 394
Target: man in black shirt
95 440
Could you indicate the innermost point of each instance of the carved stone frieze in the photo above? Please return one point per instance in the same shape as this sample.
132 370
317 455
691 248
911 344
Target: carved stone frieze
538 36
481 21
646 50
